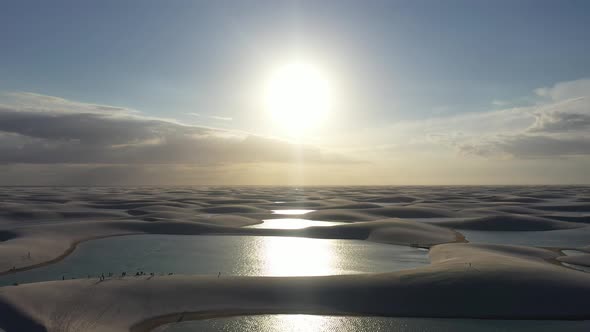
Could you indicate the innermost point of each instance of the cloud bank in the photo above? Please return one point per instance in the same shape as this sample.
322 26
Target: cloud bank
49 140
53 141
557 125
85 134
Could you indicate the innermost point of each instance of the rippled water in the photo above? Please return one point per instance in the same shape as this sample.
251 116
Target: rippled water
228 255
311 323
295 223
292 211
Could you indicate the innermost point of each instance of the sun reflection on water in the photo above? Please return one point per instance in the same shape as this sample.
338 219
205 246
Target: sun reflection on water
288 256
298 323
294 223
292 211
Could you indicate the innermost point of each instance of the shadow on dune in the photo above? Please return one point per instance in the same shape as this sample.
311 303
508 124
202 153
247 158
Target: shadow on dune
12 319
7 235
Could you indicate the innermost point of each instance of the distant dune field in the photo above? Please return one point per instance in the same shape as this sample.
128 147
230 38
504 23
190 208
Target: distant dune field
495 252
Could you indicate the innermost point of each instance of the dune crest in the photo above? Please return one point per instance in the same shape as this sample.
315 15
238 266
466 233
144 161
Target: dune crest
514 283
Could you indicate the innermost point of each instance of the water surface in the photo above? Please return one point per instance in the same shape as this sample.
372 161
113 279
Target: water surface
228 255
313 323
292 211
294 223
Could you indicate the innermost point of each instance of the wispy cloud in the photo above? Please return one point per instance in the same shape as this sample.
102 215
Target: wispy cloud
556 124
38 102
222 118
214 117
559 127
497 102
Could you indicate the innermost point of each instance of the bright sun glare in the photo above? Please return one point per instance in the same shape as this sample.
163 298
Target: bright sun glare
298 97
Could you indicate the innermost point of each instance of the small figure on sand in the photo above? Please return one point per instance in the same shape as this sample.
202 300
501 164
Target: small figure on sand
102 277
29 255
470 266
218 275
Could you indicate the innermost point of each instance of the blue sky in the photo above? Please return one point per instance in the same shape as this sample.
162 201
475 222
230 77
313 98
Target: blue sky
394 61
168 58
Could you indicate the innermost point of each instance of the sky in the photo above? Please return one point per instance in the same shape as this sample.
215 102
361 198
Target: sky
173 92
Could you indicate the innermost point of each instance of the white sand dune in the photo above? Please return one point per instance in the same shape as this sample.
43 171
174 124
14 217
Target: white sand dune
502 210
390 231
406 232
352 206
510 223
582 259
416 211
392 199
32 246
49 243
28 215
233 209
572 207
340 215
365 214
465 280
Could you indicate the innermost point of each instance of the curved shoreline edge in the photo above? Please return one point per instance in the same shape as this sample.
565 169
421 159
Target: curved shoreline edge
153 323
150 324
360 231
464 281
65 254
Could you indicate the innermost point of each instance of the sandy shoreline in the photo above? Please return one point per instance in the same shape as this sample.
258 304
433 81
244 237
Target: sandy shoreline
70 234
153 323
464 281
70 250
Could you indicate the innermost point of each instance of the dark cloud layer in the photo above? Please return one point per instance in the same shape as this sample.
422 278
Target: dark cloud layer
42 137
534 146
528 146
562 130
556 122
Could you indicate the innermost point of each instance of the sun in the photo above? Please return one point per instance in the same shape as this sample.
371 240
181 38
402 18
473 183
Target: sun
298 97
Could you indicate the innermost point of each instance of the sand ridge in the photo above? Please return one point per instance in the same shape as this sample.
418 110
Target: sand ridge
41 225
465 280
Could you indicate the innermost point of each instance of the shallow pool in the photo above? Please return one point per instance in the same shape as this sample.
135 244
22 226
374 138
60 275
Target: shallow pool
292 211
295 223
228 255
312 323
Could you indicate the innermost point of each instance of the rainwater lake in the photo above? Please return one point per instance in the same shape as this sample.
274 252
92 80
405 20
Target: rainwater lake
228 255
316 323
